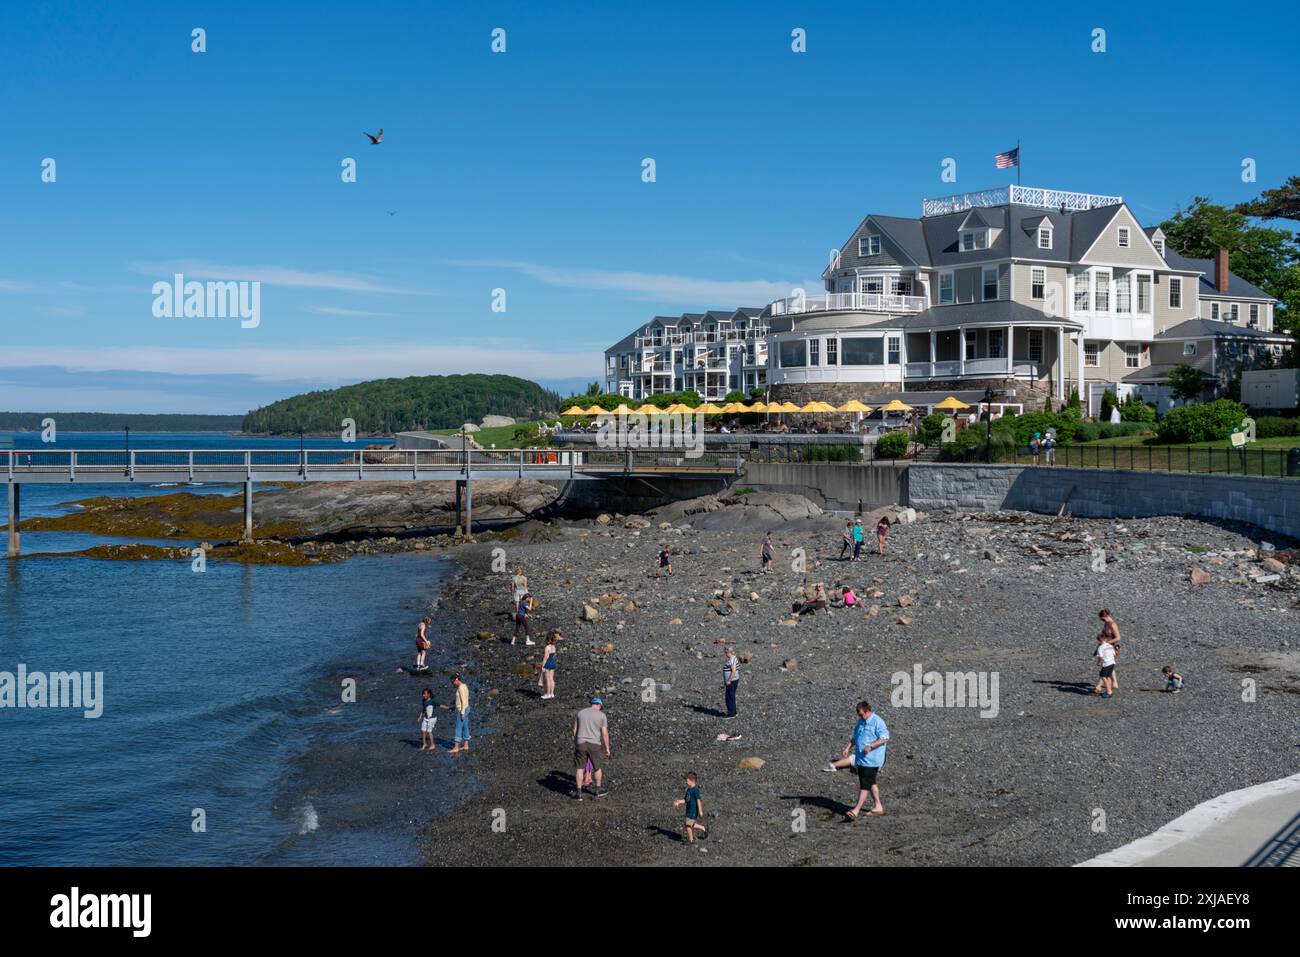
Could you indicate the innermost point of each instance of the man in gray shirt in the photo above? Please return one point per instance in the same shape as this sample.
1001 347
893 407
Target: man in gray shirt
590 733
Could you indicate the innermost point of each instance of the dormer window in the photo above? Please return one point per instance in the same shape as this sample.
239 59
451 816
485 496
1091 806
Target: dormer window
972 239
1123 237
868 245
1160 246
1044 237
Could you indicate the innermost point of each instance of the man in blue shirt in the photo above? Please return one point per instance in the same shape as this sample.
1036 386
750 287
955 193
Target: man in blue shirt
870 737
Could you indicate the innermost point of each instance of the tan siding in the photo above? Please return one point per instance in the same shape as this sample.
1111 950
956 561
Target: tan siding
1107 249
1023 272
1163 316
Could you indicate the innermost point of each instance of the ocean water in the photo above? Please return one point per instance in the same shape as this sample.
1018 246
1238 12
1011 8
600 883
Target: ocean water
218 687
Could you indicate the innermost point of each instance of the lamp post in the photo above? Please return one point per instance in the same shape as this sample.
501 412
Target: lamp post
127 430
988 424
302 455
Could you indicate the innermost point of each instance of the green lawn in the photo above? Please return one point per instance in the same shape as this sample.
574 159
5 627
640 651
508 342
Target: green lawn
503 436
1262 457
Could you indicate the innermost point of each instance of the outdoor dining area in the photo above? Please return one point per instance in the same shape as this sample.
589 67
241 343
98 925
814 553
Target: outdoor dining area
850 418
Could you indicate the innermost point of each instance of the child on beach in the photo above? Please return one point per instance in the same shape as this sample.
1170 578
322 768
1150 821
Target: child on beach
765 553
857 539
428 708
882 532
694 808
1110 634
1173 680
421 643
524 619
1106 654
847 598
846 540
665 561
547 677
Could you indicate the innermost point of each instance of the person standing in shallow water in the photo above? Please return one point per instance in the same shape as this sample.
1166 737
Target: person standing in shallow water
422 643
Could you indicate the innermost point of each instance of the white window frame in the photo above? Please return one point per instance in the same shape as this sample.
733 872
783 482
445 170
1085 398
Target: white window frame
1037 282
1044 233
1253 320
865 280
1123 236
952 288
1160 246
899 283
1175 292
1101 297
973 240
1082 287
1233 312
814 352
995 343
893 350
1214 310
984 283
832 352
1139 280
1133 355
1189 348
872 241
1091 354
1124 293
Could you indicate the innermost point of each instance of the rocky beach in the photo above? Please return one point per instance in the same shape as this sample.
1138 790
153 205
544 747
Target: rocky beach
1050 775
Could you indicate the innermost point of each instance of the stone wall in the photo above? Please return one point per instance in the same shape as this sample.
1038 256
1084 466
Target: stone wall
1032 395
1269 503
837 487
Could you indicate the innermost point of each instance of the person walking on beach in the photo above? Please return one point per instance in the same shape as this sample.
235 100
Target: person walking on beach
547 677
857 538
518 587
870 738
694 808
1110 634
421 643
846 543
1105 653
590 735
765 553
524 619
882 532
428 718
462 715
731 679
665 562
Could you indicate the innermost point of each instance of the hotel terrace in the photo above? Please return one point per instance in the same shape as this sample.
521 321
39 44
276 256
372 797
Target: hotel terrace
1019 288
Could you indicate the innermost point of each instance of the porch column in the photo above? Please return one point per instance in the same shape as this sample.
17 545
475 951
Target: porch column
961 350
1011 348
1080 383
931 353
1060 363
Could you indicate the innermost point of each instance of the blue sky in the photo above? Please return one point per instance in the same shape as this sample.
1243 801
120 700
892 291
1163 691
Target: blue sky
522 170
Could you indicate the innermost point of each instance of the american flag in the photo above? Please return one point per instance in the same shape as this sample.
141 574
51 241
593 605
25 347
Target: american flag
1008 159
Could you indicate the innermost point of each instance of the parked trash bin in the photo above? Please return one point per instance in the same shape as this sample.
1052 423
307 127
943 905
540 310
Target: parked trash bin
1293 462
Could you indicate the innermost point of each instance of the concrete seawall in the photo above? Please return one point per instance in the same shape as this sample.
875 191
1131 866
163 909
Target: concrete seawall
1273 504
834 487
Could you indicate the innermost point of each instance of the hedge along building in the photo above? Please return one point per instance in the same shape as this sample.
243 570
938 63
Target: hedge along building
1037 290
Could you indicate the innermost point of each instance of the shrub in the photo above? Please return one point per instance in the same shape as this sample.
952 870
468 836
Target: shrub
931 428
831 453
969 445
1024 426
1092 431
1275 426
1187 382
1108 402
1208 422
1136 410
893 445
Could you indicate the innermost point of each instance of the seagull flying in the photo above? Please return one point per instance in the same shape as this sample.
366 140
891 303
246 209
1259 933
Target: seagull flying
377 138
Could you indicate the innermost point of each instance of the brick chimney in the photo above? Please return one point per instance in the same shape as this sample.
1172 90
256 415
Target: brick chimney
1221 270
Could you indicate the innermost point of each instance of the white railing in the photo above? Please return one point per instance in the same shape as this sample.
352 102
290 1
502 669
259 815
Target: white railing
849 302
1036 196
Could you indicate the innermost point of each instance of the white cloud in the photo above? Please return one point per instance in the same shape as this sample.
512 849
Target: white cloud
702 293
335 311
352 362
269 275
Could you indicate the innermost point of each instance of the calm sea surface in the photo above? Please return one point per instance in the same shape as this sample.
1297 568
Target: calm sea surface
217 688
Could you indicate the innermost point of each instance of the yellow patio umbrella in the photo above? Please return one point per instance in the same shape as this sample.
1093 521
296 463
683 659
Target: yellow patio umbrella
784 407
623 409
677 408
649 409
708 408
853 405
819 407
574 410
896 405
952 402
757 407
595 410
733 407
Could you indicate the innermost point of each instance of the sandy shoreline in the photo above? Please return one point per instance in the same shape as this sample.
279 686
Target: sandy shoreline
1028 786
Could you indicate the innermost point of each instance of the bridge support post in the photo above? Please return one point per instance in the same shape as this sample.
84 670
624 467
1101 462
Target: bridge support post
469 507
248 511
14 501
459 491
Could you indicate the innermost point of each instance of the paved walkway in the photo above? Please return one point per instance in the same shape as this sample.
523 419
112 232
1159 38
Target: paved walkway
1253 827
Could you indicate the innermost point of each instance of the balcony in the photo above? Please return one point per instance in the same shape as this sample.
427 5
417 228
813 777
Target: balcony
998 367
849 302
1020 195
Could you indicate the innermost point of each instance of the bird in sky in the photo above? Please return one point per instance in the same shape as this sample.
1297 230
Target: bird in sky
377 138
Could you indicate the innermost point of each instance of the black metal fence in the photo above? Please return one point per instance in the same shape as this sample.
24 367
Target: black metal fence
1277 463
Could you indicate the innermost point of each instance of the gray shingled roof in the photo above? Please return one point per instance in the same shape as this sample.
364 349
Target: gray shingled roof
1238 288
996 313
1207 328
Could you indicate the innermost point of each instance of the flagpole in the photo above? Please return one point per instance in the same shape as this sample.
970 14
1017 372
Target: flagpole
1017 162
